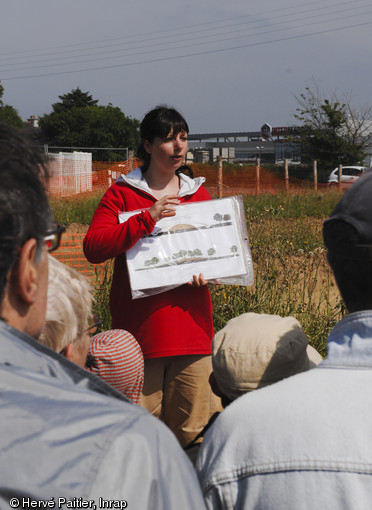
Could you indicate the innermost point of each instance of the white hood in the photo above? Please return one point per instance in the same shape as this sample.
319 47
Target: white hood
136 179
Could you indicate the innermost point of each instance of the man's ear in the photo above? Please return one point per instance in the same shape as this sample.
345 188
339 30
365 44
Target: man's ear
68 351
27 273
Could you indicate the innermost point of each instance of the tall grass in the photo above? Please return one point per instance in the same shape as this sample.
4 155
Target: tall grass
79 209
301 286
292 276
283 205
101 283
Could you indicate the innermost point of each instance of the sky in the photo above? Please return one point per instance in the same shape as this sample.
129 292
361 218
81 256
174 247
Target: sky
225 65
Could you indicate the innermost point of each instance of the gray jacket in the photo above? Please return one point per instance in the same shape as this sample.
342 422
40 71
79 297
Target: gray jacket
67 438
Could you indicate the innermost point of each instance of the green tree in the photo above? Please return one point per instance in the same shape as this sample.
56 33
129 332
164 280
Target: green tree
77 121
333 132
74 99
9 114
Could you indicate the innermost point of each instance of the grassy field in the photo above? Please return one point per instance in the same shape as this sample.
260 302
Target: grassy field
291 272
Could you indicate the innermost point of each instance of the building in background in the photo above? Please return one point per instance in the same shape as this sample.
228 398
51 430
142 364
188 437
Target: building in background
270 144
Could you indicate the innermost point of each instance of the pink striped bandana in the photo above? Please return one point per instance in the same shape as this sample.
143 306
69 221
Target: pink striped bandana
116 356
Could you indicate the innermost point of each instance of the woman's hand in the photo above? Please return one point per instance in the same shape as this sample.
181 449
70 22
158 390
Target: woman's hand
164 208
197 281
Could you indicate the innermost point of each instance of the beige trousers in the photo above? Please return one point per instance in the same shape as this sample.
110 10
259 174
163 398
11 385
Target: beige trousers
176 389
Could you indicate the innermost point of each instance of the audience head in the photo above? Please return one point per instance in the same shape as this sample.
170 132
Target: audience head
348 237
117 358
25 219
68 312
159 122
254 350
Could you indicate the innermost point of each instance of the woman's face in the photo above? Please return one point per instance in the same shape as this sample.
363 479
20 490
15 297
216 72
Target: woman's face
167 153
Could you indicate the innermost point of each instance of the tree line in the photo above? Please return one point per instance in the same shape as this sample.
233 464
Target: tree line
330 129
77 120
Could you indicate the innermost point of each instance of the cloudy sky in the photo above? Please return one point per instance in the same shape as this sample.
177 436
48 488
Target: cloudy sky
226 65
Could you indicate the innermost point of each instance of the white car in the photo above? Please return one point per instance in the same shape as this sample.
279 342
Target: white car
349 175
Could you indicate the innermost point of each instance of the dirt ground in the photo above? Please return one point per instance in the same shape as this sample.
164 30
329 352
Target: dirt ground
77 228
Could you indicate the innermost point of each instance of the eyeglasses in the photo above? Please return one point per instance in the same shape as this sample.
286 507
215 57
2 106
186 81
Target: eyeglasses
53 236
91 330
94 327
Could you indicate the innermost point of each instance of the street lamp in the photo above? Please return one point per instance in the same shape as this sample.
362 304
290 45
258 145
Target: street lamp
259 148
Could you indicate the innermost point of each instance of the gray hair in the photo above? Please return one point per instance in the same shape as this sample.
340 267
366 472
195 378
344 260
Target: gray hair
68 306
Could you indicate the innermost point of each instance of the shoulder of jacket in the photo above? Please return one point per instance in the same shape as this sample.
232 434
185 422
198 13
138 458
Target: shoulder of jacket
189 186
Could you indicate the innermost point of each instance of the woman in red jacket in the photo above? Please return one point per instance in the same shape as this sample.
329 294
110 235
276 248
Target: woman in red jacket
174 328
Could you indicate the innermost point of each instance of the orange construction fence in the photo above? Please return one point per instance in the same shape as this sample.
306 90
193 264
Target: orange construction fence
76 176
247 180
72 177
71 253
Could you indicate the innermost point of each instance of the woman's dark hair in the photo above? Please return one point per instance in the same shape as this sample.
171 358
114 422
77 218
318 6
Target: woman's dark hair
159 122
185 169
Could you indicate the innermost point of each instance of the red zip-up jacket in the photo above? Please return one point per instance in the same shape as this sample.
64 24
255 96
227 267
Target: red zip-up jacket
172 323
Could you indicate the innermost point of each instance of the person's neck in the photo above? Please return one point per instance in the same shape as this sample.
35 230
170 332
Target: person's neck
14 313
159 181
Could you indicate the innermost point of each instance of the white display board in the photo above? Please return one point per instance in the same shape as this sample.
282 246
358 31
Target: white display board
207 237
